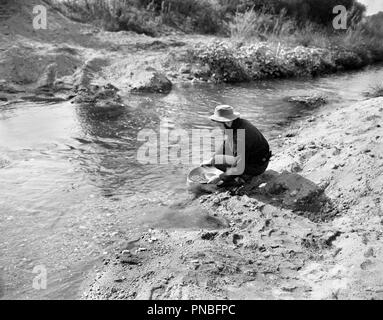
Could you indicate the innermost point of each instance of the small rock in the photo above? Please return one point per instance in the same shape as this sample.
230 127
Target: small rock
237 238
365 264
250 272
220 266
172 74
290 134
196 264
266 254
289 288
153 239
150 80
130 260
369 253
216 200
186 68
210 235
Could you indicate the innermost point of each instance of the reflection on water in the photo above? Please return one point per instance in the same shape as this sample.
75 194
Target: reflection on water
72 186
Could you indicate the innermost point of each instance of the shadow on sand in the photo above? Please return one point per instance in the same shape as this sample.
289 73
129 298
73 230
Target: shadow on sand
290 191
284 190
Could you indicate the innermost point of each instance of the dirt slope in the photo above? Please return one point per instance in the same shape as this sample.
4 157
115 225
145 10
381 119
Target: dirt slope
68 55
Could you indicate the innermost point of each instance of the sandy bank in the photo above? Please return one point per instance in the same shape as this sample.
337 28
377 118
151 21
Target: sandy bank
312 232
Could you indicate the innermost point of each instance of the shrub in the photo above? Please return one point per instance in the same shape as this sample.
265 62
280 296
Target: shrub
263 60
245 25
223 62
375 91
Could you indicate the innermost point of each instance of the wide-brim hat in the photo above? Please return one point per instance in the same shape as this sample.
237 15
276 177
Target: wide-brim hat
224 113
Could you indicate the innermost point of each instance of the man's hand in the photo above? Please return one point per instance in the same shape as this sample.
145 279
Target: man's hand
207 163
214 179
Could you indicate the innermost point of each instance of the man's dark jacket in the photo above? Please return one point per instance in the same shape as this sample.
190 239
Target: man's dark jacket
257 150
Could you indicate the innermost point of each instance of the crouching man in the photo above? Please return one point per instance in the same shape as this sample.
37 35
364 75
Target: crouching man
244 153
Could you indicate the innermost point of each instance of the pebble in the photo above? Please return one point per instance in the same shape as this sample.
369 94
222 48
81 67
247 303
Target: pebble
210 235
250 272
369 253
288 288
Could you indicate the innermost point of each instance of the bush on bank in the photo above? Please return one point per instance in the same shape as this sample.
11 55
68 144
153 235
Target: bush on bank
264 60
264 46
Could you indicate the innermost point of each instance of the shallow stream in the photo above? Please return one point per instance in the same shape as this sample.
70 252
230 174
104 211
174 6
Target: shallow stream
71 186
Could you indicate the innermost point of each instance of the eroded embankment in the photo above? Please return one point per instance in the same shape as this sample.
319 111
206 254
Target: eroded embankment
310 227
70 59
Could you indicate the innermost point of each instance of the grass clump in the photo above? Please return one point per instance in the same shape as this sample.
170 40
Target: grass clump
252 24
375 91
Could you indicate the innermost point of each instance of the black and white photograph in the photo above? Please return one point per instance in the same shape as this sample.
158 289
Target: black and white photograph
191 150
